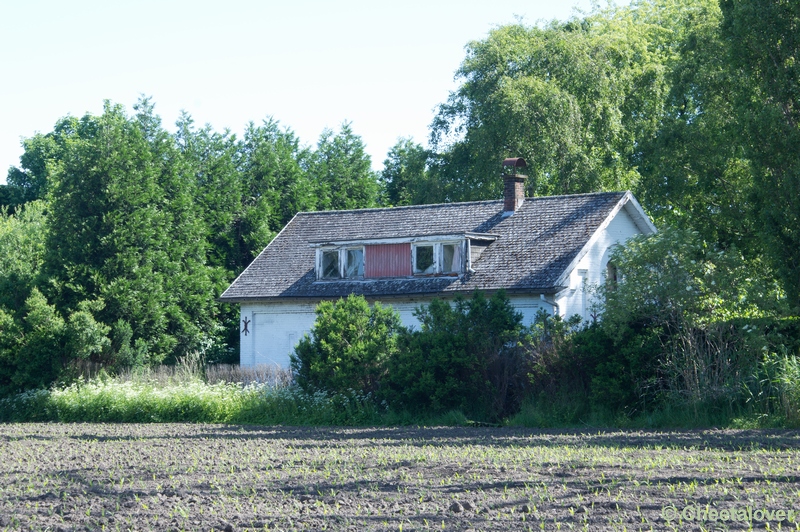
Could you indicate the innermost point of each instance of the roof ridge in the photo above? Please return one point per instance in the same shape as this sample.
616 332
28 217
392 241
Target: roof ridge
407 207
455 203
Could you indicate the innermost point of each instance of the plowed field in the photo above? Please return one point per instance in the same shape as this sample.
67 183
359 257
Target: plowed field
214 477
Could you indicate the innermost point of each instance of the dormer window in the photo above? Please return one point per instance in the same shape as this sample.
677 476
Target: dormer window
424 256
423 259
438 258
347 263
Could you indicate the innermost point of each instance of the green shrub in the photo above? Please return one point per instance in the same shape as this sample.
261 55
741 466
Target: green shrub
37 344
348 347
686 321
467 357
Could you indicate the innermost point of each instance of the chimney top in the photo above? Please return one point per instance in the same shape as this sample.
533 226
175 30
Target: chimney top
513 163
513 185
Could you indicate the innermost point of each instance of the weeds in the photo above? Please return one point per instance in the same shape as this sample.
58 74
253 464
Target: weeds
190 393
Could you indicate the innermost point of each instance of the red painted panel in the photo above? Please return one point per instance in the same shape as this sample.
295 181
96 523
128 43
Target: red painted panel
387 260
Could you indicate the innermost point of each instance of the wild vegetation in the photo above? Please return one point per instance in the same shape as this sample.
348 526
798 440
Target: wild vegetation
116 235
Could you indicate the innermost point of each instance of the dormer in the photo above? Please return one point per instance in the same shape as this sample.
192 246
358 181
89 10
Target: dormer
414 257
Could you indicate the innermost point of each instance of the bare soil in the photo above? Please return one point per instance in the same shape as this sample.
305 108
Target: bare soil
216 477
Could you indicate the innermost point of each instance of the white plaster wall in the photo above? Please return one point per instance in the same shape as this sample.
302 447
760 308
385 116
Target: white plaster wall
590 271
527 305
273 329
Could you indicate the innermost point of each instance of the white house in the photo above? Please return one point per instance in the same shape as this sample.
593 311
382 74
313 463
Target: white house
542 251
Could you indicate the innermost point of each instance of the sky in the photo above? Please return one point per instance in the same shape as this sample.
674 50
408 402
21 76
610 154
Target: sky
312 65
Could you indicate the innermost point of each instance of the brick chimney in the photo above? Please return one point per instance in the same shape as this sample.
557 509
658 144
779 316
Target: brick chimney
513 185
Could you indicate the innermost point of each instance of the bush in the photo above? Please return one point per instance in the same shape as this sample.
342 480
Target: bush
37 345
348 347
467 357
684 319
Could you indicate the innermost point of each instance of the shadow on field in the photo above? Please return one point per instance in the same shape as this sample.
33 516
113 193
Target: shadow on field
308 437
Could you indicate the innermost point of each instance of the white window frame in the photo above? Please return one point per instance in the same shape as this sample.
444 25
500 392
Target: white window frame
438 256
343 261
342 251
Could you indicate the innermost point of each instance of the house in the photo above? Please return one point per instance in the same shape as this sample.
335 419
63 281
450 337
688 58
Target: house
543 251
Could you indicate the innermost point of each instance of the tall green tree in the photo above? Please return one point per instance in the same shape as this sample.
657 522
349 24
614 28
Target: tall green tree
342 171
695 171
764 41
212 160
275 185
123 231
406 178
37 342
572 98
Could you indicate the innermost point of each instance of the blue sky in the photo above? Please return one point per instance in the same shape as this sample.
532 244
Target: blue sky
384 66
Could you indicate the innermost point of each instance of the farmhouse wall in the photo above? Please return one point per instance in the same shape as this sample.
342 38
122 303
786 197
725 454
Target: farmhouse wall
590 271
273 329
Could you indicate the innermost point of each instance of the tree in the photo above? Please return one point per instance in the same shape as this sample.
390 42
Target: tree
695 171
405 178
683 315
764 41
348 347
342 172
22 249
466 356
275 185
37 344
122 230
573 98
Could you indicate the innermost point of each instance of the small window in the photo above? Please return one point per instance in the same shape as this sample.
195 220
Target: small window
355 263
423 259
330 264
451 258
611 274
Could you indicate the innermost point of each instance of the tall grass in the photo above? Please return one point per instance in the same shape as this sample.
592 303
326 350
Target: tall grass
190 392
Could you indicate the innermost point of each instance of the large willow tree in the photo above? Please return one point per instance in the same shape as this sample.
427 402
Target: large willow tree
576 99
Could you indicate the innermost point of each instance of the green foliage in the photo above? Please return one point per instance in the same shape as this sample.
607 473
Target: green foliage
348 347
763 36
695 172
342 172
466 357
42 154
682 319
122 229
275 185
406 178
677 277
144 399
575 99
144 229
37 343
11 197
22 250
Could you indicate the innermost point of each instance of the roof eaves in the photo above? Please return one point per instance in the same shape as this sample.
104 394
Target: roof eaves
640 218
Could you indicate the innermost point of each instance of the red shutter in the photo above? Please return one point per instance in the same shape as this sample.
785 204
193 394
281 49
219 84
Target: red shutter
387 260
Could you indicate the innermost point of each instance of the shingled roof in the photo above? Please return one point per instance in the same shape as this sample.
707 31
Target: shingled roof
534 247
